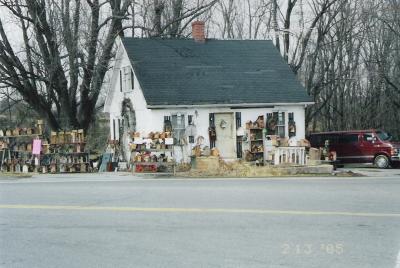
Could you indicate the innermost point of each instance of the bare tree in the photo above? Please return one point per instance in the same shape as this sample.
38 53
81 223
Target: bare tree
275 9
60 70
229 13
352 71
238 19
172 17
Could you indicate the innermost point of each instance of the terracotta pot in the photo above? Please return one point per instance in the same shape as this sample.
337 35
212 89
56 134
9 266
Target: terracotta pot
15 132
249 124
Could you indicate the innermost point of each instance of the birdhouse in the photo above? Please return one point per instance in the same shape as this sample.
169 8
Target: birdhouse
53 137
40 127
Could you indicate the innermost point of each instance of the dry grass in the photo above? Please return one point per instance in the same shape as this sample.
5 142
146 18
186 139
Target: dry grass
12 175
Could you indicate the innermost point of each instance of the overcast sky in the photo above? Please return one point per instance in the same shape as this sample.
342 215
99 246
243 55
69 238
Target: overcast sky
10 26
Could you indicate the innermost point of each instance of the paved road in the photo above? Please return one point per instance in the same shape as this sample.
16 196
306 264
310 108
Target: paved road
114 220
370 171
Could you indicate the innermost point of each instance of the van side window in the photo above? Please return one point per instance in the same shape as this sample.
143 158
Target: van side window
332 138
326 138
348 138
369 137
316 140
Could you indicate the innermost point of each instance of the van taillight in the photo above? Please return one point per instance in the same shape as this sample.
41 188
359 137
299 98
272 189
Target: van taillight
393 151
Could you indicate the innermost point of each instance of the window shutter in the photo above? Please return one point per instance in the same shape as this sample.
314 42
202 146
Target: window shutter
211 130
291 117
239 149
120 80
212 120
238 116
132 80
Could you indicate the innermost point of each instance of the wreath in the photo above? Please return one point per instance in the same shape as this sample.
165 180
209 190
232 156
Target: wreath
271 123
292 127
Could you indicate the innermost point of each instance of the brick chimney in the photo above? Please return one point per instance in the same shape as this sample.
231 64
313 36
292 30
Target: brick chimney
198 31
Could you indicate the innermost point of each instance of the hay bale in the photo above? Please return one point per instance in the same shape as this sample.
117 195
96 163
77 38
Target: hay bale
315 154
207 164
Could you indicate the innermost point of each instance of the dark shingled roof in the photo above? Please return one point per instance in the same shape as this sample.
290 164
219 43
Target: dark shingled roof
183 72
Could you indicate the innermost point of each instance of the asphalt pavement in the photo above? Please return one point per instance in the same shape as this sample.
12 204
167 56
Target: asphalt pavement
119 220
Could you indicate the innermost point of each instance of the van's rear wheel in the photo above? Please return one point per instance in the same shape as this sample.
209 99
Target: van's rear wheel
381 161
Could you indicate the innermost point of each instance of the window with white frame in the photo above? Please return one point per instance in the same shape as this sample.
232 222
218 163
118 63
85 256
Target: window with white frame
279 118
178 127
126 78
190 124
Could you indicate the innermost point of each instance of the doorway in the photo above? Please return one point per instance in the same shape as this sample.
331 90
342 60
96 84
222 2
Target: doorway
226 135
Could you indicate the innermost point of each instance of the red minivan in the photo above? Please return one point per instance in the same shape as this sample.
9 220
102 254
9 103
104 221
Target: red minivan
360 146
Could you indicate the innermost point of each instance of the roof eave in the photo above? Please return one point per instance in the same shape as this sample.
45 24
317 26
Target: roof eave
231 105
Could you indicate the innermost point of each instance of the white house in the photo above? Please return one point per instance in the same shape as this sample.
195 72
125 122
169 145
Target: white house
211 85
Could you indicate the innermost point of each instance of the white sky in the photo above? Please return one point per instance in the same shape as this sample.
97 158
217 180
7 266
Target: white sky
11 27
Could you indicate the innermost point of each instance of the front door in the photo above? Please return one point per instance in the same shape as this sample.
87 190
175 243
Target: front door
225 131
